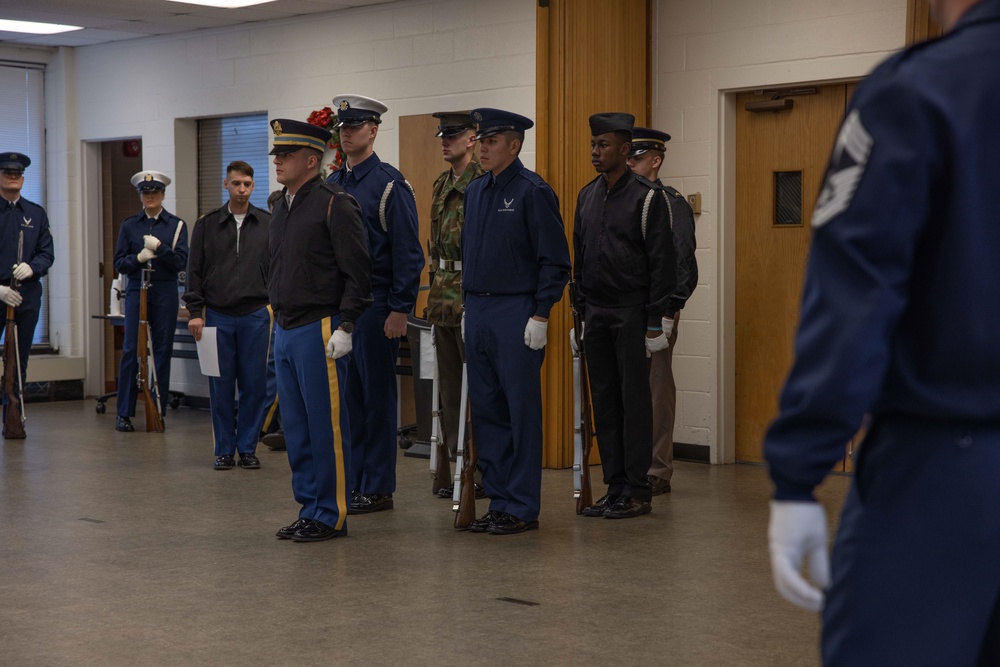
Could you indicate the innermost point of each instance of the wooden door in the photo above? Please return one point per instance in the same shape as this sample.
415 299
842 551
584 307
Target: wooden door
781 158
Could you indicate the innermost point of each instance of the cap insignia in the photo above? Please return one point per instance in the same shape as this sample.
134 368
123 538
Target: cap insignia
277 128
13 156
478 117
345 105
148 178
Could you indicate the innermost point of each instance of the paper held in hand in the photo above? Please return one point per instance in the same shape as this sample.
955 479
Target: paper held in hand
208 352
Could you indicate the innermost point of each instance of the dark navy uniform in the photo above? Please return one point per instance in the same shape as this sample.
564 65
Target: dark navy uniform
162 299
515 263
227 286
320 277
37 252
390 216
900 321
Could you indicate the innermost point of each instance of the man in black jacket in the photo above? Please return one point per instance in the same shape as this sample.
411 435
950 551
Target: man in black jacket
320 283
227 290
625 269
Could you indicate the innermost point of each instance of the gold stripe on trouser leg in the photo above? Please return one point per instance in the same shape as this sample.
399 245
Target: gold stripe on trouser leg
338 440
269 417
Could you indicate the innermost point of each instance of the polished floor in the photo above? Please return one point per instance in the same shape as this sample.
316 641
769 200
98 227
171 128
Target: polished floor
129 549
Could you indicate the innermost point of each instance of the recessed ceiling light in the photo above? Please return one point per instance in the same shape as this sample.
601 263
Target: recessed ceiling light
223 4
33 28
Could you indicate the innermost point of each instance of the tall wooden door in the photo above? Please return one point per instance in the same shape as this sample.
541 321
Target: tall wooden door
781 158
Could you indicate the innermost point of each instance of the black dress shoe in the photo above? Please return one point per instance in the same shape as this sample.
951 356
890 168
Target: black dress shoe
368 503
627 507
659 485
446 491
275 441
484 523
287 532
124 424
317 531
224 462
508 524
249 461
600 507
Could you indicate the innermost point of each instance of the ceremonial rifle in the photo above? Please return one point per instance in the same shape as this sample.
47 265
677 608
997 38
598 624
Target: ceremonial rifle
464 498
583 430
440 464
13 424
154 422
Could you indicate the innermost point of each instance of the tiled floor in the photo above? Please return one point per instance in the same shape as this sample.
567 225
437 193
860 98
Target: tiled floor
129 549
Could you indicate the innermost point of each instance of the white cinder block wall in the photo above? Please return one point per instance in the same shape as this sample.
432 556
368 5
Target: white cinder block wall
704 50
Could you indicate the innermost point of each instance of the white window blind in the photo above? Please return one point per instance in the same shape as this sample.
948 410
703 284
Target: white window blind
22 130
222 140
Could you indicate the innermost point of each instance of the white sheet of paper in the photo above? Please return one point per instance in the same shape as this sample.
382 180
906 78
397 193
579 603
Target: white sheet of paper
427 359
208 352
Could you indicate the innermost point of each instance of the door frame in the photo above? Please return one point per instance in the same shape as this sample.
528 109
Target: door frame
725 85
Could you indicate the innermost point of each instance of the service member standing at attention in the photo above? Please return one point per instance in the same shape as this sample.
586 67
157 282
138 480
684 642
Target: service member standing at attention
160 238
515 264
320 283
625 270
227 289
899 322
18 217
645 159
390 215
444 301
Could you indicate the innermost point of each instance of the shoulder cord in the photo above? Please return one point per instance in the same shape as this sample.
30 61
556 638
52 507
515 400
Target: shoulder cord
385 200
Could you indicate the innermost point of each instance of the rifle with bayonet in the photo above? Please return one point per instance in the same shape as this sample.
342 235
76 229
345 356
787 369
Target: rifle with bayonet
464 499
583 429
13 423
154 421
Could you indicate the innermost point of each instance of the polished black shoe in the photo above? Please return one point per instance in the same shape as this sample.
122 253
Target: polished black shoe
317 531
600 507
275 441
124 424
446 491
659 485
627 507
368 503
287 532
508 524
484 523
224 462
249 461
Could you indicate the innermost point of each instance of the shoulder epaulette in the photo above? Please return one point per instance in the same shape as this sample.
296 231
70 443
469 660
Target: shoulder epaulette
672 192
652 185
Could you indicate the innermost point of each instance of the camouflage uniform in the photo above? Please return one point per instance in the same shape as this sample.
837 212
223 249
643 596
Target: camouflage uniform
444 302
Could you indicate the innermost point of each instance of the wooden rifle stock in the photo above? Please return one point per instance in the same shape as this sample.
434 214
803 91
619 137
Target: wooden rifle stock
13 425
586 498
154 422
467 499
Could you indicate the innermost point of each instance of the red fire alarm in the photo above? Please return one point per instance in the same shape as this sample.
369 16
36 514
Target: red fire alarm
132 147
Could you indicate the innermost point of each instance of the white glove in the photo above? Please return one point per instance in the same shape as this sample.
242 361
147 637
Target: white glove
151 242
22 272
339 344
668 326
462 327
10 296
572 342
798 529
145 255
535 333
654 345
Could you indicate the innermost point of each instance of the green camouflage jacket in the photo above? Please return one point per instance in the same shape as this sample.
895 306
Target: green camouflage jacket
444 302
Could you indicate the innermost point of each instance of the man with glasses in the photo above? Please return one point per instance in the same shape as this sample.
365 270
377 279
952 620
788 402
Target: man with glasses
24 229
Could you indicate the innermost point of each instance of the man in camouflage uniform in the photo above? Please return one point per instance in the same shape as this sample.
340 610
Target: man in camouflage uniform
444 302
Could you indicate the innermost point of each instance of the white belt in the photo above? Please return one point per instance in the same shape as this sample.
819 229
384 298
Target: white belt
450 264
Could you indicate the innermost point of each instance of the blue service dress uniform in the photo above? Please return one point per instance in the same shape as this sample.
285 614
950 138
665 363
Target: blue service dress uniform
37 251
162 299
900 321
319 279
390 217
515 263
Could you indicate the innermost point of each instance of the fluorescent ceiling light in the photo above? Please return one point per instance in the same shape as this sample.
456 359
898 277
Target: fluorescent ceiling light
33 28
224 4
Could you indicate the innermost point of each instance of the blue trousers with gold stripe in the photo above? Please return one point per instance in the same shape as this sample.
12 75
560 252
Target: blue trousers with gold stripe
314 421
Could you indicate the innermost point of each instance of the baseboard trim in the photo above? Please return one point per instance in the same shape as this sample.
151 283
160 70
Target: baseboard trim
687 452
